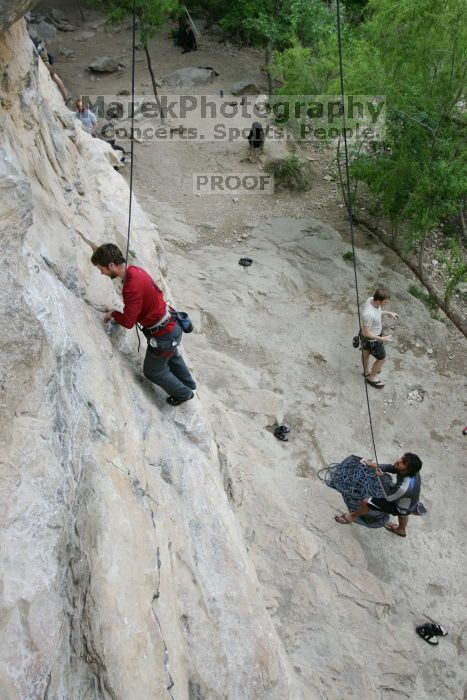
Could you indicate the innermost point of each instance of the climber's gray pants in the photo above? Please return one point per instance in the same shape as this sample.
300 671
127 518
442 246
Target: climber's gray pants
166 367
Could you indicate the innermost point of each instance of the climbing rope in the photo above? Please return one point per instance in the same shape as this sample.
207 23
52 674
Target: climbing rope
132 140
350 211
355 481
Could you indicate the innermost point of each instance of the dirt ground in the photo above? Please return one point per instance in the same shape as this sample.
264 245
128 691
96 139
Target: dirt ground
171 163
292 361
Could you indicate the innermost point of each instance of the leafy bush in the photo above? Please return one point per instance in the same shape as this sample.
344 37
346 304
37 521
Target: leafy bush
291 173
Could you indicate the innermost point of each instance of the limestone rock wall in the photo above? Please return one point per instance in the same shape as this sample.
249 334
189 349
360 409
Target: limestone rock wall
124 571
12 10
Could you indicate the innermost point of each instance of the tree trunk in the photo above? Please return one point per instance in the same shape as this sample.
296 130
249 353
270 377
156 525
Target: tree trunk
421 254
153 80
268 68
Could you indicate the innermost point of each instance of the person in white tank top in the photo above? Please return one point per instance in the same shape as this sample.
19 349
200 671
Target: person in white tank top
371 334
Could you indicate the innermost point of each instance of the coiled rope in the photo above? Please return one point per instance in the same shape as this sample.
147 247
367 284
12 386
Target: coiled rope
355 481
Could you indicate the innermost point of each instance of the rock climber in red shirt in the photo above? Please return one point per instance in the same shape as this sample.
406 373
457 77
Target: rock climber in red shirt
144 304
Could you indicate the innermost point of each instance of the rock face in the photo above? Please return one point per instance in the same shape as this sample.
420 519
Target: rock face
125 573
12 10
189 77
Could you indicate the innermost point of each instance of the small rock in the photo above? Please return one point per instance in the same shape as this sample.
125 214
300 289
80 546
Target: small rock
246 86
98 23
235 199
84 36
328 178
435 263
124 91
429 351
415 396
417 345
244 235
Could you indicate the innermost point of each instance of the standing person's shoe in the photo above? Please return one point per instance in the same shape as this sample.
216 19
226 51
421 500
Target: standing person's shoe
378 384
173 401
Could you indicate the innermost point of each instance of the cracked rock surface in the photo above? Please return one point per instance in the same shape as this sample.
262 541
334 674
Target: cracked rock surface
124 571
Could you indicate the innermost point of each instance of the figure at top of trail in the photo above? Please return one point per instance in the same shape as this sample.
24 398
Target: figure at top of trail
372 334
256 136
401 499
144 304
188 39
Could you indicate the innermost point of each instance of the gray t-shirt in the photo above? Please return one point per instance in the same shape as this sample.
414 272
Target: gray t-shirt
371 317
87 119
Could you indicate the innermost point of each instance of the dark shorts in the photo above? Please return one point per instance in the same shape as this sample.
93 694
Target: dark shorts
375 348
384 505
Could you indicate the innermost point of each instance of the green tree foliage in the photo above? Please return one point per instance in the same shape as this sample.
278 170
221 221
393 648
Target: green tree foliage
150 14
414 53
312 21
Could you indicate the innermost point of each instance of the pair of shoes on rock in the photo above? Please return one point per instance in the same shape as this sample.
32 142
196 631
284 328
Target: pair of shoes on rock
431 631
174 401
281 433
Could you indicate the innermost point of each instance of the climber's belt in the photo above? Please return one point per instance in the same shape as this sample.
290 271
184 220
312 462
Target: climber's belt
162 322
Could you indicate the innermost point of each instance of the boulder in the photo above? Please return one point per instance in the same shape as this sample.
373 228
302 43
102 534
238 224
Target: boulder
190 77
43 31
59 20
104 64
246 86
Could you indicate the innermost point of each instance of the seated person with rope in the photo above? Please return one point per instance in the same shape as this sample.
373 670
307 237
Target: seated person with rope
401 499
144 304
